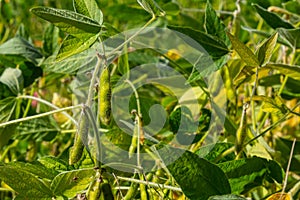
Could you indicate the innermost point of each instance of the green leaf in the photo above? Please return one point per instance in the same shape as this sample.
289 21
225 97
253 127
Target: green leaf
272 19
245 174
89 8
214 47
72 64
245 53
266 49
54 163
13 79
73 182
36 168
68 21
7 108
274 105
266 34
227 197
51 39
212 151
151 7
288 70
291 35
198 178
73 45
171 8
213 25
24 183
19 47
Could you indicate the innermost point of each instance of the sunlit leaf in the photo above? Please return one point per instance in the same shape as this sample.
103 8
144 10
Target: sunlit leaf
265 51
13 79
244 52
89 8
73 182
151 7
285 69
68 21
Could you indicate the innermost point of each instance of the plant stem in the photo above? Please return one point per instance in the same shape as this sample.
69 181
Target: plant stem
39 115
133 36
156 185
50 105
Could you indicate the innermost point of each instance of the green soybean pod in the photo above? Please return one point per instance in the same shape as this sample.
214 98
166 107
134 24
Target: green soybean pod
134 140
241 133
81 133
104 97
106 191
94 191
132 190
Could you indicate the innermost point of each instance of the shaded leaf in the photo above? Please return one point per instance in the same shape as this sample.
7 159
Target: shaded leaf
213 25
266 49
151 7
54 163
73 182
171 8
19 47
7 108
68 21
192 173
19 180
244 52
51 39
212 152
89 8
214 47
291 35
245 174
272 19
288 70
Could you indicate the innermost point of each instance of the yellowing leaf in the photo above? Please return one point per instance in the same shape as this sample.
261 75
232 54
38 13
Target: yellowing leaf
280 196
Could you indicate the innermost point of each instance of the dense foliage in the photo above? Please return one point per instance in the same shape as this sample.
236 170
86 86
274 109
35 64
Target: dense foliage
197 100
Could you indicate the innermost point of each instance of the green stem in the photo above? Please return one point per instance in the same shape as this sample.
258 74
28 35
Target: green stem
133 36
39 115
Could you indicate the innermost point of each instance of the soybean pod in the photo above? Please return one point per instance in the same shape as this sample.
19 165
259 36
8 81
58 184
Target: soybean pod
241 132
104 97
134 140
81 133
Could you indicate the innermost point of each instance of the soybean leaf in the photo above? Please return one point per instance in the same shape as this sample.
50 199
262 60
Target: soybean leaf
27 185
266 34
73 182
214 47
70 65
151 7
13 79
68 21
171 8
192 173
51 39
289 70
266 49
274 105
73 45
54 163
272 19
245 174
211 152
89 8
21 48
291 35
36 168
213 24
245 53
7 108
